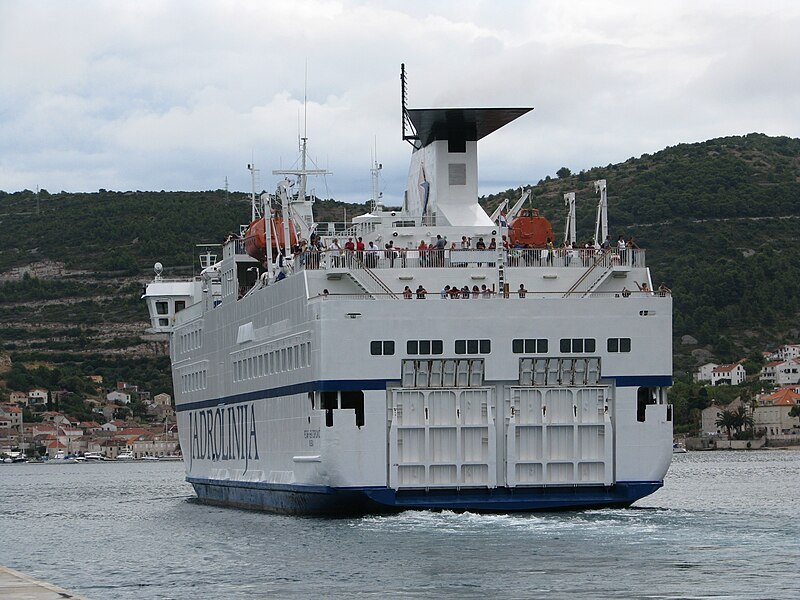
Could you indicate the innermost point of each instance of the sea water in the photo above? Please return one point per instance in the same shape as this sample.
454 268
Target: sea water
725 525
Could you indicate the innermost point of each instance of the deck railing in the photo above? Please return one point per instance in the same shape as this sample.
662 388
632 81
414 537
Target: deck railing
457 258
439 295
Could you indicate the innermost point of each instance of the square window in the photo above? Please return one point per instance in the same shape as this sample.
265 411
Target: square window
461 346
625 345
375 348
162 308
424 346
472 346
565 345
412 347
588 345
437 347
530 346
613 344
518 346
577 345
541 346
485 346
388 347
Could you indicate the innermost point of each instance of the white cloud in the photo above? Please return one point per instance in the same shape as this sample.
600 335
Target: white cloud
179 95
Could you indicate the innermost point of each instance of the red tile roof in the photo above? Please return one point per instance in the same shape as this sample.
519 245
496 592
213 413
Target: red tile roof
781 397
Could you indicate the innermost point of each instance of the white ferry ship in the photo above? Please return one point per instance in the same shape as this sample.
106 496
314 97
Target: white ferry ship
331 380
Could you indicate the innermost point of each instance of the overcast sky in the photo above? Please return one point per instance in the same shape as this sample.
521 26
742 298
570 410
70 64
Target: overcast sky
152 95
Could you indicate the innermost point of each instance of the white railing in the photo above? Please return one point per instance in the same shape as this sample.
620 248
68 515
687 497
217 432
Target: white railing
400 258
493 295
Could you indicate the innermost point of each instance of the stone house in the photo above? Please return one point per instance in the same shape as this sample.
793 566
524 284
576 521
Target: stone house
709 416
772 413
12 413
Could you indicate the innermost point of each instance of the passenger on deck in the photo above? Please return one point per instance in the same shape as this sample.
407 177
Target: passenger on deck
445 293
360 249
423 253
522 291
663 290
621 245
476 293
372 255
485 292
407 293
455 293
550 251
643 287
349 249
441 244
625 292
421 291
335 251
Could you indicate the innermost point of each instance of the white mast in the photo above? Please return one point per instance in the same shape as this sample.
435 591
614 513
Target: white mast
253 204
377 195
601 226
569 232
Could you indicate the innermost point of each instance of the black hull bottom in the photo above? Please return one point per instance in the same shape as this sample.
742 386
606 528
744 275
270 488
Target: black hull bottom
322 500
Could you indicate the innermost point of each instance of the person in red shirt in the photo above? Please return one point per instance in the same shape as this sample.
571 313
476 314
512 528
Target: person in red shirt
360 249
349 248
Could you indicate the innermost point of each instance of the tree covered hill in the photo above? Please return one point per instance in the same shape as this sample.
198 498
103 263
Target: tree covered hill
721 224
719 220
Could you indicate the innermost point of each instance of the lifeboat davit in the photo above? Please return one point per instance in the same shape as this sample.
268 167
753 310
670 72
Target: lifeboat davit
530 228
255 242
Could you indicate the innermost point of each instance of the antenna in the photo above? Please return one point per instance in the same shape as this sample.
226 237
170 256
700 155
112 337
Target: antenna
377 196
305 100
253 206
412 138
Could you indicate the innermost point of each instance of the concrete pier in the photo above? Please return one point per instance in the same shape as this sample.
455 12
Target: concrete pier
18 586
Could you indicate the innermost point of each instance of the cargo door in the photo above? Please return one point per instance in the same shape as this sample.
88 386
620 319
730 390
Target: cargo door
558 435
444 437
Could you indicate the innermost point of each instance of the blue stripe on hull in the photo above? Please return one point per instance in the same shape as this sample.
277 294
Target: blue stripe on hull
328 385
323 500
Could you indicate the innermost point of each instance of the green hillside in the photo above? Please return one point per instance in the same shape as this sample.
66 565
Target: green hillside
719 220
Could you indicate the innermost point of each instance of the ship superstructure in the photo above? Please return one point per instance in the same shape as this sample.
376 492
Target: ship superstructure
338 378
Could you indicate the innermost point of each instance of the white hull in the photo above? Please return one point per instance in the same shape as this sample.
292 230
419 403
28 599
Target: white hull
328 392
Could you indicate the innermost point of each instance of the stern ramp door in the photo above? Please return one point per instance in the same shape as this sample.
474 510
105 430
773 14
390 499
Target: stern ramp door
442 436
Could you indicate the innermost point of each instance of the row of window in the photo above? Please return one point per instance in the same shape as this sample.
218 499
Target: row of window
518 346
195 381
190 340
271 362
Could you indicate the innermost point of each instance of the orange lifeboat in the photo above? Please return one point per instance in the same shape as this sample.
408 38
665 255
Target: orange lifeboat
530 228
255 242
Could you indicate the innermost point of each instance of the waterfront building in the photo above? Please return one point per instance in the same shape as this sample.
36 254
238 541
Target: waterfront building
772 412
